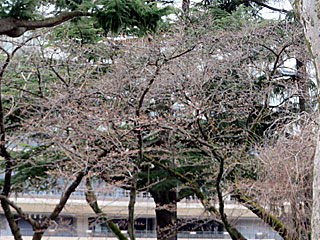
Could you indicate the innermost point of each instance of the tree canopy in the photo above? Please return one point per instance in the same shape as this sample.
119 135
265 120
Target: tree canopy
197 111
20 16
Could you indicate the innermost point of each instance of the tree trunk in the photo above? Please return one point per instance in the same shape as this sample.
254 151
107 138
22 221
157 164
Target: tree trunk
308 13
264 215
93 203
166 214
10 218
204 201
13 27
315 219
185 5
302 85
40 228
233 232
132 202
37 235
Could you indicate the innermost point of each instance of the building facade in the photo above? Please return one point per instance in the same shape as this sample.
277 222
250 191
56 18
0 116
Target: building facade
78 221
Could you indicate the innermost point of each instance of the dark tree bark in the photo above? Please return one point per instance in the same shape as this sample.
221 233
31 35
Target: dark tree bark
204 201
10 218
302 84
233 232
185 5
13 27
261 3
40 229
166 214
131 205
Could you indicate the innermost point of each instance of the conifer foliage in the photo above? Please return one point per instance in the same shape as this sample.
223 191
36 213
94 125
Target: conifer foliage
20 16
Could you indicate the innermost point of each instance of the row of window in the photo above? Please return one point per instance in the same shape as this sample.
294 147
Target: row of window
107 192
66 225
148 224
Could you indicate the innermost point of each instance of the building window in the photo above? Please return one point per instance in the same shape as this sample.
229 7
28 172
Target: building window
97 225
199 225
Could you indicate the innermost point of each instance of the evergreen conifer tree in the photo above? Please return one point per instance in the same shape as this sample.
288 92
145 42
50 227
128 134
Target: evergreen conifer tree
20 16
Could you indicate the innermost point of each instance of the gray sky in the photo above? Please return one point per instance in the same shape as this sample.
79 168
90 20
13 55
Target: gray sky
281 4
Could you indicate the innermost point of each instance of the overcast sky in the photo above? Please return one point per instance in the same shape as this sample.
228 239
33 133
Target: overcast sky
281 4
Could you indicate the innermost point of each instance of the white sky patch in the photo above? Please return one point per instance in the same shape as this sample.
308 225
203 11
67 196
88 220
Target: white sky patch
178 3
289 66
269 14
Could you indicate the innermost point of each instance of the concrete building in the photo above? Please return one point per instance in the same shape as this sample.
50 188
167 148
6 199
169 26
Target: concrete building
78 221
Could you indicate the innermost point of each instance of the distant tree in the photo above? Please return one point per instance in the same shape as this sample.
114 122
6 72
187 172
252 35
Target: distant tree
25 166
41 145
194 102
210 94
285 176
230 118
18 17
